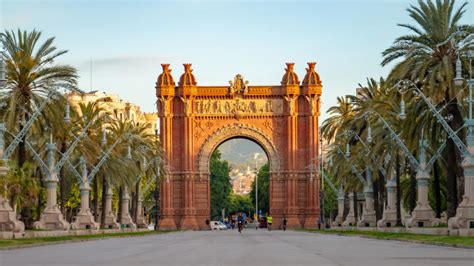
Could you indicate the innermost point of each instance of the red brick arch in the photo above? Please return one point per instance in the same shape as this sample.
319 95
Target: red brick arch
195 120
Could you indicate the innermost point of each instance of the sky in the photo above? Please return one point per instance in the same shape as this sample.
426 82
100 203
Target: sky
118 46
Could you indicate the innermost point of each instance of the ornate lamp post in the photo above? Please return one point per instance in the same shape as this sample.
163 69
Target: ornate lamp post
256 190
423 214
465 212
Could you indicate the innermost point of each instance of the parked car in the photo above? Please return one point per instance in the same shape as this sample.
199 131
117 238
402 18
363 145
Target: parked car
218 225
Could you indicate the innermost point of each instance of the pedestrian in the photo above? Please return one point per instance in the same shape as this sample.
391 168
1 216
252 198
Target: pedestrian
284 223
269 221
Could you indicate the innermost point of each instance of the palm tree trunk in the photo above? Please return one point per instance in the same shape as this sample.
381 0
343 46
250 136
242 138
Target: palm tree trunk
104 200
356 207
40 194
455 175
62 183
451 184
381 188
375 187
437 189
120 206
412 193
399 194
133 206
95 201
137 193
22 144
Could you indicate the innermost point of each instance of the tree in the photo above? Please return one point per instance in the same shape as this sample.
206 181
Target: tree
220 184
428 55
240 203
31 74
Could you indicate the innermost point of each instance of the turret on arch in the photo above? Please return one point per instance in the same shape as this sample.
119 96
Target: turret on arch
194 120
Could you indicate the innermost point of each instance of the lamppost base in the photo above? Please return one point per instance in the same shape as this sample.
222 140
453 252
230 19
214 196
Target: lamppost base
8 221
52 219
141 221
350 220
464 218
111 222
338 221
422 216
368 219
128 222
389 218
84 221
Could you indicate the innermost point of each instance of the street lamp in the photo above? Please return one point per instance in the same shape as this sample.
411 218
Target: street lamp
157 191
256 188
465 212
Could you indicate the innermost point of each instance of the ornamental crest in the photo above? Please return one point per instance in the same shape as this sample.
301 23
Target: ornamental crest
238 86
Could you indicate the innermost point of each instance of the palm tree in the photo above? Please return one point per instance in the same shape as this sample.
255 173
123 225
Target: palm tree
341 115
31 74
428 55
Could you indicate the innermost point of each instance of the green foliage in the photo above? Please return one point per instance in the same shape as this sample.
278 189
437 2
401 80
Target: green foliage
263 189
240 203
220 184
330 201
21 186
74 198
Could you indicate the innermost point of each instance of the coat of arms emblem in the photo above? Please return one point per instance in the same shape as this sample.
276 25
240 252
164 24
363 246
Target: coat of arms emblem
239 85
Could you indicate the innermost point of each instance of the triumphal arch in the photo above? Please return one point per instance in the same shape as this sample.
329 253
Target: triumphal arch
195 120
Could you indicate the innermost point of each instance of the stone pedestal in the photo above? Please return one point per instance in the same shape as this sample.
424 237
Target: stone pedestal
464 218
84 219
167 223
368 215
340 210
125 210
141 221
110 219
422 215
8 221
189 221
52 218
350 218
389 217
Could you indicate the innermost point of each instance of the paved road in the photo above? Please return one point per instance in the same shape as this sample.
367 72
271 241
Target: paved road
229 248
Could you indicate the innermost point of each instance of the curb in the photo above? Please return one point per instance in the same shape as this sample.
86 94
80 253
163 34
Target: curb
75 241
402 240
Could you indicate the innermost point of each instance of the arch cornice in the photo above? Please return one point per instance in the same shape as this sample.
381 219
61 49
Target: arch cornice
237 130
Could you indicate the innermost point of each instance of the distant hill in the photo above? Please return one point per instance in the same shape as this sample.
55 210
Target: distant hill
239 152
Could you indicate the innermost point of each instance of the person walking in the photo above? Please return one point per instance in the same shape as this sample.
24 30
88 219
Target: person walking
269 221
284 223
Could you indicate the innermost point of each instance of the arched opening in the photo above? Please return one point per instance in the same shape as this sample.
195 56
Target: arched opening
236 166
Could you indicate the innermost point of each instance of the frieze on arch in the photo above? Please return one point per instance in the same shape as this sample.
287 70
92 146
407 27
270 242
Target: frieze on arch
195 120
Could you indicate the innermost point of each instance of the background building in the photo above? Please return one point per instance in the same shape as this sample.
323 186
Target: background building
116 107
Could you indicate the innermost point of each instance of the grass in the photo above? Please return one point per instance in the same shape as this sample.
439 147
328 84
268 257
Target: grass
8 243
465 241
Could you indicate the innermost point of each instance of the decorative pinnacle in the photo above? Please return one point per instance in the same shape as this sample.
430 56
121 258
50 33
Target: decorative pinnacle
187 67
290 66
311 66
166 67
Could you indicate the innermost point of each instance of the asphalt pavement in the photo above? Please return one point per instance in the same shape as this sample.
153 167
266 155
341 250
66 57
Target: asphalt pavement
252 247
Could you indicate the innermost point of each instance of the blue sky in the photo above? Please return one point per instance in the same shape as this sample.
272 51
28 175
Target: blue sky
128 40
